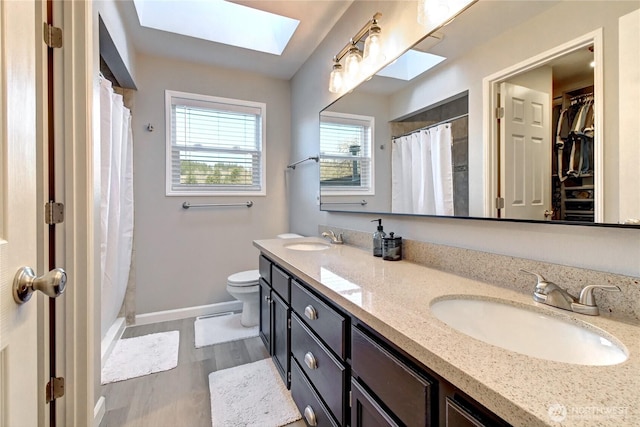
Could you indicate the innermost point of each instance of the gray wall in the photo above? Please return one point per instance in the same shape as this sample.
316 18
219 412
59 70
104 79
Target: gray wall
183 257
598 248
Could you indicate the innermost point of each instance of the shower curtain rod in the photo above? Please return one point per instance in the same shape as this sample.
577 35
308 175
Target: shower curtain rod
452 119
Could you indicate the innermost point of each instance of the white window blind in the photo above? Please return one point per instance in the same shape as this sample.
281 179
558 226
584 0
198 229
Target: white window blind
214 146
346 163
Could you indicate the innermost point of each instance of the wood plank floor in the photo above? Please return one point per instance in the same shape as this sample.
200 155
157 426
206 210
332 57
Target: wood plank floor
180 396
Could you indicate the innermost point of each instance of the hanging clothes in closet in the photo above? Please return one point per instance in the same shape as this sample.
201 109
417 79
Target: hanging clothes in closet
574 139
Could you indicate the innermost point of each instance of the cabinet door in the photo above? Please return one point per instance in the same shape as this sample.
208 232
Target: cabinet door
265 315
456 416
460 413
365 412
408 394
280 336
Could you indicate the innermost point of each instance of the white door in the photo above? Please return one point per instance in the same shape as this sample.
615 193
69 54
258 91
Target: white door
18 333
525 152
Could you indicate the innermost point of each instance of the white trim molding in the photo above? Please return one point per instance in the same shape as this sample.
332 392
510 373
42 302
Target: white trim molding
185 313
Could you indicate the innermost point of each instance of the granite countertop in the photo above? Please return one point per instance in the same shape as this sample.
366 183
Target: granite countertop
394 298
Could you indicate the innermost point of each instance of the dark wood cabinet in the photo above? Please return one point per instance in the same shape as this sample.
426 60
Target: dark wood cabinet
408 393
280 337
328 374
365 411
265 314
274 324
342 372
313 410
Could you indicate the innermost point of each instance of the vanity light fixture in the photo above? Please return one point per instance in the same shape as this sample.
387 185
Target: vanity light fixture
357 62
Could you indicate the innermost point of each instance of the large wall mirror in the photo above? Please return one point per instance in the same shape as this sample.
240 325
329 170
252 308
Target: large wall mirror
523 115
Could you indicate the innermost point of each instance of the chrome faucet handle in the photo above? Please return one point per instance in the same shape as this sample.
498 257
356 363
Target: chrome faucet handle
543 286
586 294
538 276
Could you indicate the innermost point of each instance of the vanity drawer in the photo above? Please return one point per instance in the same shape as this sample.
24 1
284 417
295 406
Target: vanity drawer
264 266
325 372
280 282
405 392
327 323
307 400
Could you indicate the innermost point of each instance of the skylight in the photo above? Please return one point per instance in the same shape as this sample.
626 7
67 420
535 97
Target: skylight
219 21
410 65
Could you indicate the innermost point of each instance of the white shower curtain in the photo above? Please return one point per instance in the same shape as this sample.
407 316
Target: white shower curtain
422 173
116 201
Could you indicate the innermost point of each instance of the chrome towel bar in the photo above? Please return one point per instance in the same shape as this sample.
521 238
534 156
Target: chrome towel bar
362 202
187 205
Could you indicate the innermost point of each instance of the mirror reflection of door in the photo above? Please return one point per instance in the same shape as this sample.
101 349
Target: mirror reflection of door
546 141
525 147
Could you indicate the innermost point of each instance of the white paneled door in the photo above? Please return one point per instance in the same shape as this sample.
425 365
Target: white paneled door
18 244
525 152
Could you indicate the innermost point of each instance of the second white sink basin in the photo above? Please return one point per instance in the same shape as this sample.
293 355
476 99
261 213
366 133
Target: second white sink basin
530 332
308 245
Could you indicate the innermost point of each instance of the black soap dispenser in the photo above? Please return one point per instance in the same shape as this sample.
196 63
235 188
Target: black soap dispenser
377 238
392 248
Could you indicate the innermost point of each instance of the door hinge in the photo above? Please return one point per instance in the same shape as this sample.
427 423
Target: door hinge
53 213
289 376
350 399
52 35
499 202
500 113
55 388
289 323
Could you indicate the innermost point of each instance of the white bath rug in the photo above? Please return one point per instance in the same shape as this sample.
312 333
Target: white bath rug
219 329
135 357
251 395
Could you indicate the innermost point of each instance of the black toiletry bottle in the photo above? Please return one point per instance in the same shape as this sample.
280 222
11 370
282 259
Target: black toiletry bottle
392 248
377 238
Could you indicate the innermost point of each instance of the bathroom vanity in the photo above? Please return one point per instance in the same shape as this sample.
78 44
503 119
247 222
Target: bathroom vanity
355 340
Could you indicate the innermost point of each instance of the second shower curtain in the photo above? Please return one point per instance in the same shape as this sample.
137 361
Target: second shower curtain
422 173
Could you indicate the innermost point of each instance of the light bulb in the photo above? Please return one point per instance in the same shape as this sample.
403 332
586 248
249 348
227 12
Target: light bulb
336 78
352 63
373 45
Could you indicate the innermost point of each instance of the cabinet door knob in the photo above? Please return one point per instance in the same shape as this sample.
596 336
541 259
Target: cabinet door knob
310 416
310 360
310 312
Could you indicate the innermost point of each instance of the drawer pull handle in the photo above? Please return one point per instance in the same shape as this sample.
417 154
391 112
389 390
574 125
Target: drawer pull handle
310 360
310 312
310 416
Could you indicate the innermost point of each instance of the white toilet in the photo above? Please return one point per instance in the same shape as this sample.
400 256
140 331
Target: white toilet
245 286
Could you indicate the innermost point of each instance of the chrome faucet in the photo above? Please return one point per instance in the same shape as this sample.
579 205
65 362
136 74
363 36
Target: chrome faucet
551 294
336 240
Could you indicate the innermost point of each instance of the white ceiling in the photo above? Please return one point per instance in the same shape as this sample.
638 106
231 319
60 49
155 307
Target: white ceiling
316 19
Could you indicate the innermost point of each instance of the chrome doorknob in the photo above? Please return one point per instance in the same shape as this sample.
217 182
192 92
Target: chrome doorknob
25 283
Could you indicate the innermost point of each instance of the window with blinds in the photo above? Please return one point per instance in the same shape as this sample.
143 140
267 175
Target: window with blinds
346 155
215 146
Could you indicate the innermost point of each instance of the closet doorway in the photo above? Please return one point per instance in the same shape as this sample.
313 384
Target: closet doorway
545 138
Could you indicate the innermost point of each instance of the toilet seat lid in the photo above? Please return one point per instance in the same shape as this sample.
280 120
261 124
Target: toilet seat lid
244 278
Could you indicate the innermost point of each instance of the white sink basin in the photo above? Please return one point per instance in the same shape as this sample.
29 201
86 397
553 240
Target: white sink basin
530 332
312 245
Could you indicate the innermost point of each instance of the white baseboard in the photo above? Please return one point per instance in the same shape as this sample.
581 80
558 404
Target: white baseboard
99 411
111 338
184 313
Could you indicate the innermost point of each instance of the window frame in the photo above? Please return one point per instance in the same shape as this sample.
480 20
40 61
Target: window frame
347 190
201 100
